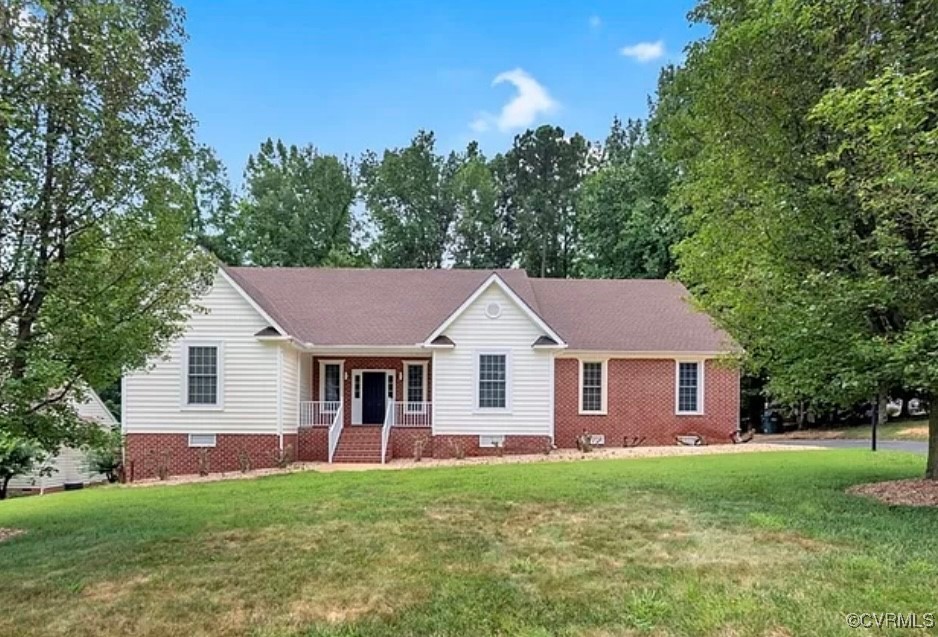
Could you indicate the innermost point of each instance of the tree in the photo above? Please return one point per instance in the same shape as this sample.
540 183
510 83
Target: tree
785 247
17 457
297 208
212 204
483 230
884 159
95 272
542 173
627 227
406 193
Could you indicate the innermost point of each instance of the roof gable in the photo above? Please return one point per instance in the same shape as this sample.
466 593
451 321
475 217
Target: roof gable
497 281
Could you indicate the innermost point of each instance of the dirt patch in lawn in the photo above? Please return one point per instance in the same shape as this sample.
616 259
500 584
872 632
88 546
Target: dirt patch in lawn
7 534
916 493
915 432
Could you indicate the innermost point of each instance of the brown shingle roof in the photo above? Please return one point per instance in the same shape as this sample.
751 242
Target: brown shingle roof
628 315
338 306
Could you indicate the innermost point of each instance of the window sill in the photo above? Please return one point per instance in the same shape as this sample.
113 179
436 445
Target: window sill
202 408
593 413
688 413
482 411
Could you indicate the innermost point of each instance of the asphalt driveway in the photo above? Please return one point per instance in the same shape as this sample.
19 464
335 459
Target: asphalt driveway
911 446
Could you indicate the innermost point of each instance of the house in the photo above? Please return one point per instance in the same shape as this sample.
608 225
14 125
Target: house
70 468
359 365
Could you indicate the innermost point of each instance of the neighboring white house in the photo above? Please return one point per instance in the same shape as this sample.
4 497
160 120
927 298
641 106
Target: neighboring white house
70 466
359 365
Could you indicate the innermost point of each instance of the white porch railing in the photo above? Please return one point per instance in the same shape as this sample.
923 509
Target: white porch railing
318 413
386 431
335 431
412 414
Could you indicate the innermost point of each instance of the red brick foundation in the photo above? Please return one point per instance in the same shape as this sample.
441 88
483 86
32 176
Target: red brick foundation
312 444
641 404
147 453
403 440
446 446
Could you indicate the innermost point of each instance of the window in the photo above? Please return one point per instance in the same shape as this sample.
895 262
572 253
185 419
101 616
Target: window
390 381
415 385
592 387
202 375
493 381
689 384
332 382
201 440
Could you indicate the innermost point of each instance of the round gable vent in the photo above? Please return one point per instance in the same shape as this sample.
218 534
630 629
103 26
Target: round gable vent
493 310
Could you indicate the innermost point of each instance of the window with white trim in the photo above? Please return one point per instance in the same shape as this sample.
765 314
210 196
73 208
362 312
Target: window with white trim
592 387
689 383
415 385
331 382
201 440
493 381
202 375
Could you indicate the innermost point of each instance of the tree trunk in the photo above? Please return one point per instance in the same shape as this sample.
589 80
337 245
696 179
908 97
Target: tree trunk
3 487
931 465
882 406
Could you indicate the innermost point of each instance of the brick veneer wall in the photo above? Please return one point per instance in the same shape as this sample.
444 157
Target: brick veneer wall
640 403
312 444
443 446
403 439
148 451
370 363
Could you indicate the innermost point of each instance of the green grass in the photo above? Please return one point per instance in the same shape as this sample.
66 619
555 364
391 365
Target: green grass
899 430
735 545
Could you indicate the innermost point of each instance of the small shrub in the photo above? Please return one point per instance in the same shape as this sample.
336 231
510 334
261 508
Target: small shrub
244 460
420 444
584 442
204 461
499 449
283 458
457 449
106 457
162 466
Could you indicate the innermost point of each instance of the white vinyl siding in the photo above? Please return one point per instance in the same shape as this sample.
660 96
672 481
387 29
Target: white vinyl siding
154 398
290 371
529 382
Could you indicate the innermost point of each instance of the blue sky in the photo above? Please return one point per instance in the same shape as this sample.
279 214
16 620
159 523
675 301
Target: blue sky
352 75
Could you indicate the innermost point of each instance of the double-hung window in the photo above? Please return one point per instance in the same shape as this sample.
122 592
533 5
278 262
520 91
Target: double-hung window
415 389
689 387
493 381
203 366
592 387
331 385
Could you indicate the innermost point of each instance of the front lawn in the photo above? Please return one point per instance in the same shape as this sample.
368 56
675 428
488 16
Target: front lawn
749 544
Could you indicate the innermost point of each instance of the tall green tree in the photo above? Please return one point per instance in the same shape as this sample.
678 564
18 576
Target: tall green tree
483 232
209 198
407 195
627 227
96 274
541 174
296 209
783 250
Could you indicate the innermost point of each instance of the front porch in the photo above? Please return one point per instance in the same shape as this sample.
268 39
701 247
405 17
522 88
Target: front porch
351 406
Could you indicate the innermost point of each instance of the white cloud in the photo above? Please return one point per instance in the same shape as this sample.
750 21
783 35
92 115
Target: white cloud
596 22
644 51
531 101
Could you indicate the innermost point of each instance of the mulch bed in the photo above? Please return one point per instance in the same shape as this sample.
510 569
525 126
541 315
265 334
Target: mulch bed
916 493
6 534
